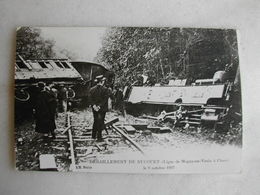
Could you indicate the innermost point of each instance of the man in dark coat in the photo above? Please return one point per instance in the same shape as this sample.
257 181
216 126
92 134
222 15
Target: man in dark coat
63 98
45 110
98 96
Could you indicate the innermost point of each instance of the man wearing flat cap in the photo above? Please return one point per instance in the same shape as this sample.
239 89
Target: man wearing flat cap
98 96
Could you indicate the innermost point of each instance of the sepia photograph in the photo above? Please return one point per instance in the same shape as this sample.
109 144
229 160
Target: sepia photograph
128 100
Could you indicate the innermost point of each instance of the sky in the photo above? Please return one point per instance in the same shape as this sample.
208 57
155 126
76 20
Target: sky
84 41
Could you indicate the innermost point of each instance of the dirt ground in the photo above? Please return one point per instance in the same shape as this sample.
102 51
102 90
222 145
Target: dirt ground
29 144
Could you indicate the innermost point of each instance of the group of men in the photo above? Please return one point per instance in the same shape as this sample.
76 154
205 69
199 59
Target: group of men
48 98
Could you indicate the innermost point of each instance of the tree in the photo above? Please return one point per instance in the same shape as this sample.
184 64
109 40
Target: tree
167 53
134 51
65 53
30 44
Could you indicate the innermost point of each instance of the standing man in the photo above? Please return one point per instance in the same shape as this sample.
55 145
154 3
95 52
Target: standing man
45 109
119 98
98 96
63 98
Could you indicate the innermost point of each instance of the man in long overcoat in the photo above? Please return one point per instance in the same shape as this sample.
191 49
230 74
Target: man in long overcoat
45 110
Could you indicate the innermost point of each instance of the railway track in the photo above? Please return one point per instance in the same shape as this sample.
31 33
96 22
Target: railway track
79 145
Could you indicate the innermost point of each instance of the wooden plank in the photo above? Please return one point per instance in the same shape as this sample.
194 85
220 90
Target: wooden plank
112 136
194 119
165 130
66 129
108 123
191 122
84 139
47 162
150 117
130 129
81 137
139 126
194 111
154 129
196 115
171 117
136 145
59 140
214 107
99 148
61 137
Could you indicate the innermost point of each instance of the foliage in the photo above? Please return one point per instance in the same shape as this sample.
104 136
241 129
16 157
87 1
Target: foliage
65 53
30 44
167 53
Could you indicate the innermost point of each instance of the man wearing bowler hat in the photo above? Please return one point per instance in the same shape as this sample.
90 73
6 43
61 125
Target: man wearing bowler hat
98 96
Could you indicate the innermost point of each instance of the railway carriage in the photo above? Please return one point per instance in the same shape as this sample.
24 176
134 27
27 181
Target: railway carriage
29 72
210 102
77 76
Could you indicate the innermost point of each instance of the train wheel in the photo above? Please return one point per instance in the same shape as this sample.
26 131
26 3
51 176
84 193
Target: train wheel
22 95
71 93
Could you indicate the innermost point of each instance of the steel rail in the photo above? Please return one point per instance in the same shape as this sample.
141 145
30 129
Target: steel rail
71 147
136 145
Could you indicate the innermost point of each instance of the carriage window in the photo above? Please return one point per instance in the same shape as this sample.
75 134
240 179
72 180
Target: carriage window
48 64
65 65
21 64
35 65
59 64
42 64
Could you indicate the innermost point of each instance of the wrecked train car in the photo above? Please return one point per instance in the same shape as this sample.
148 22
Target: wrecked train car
206 101
29 72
